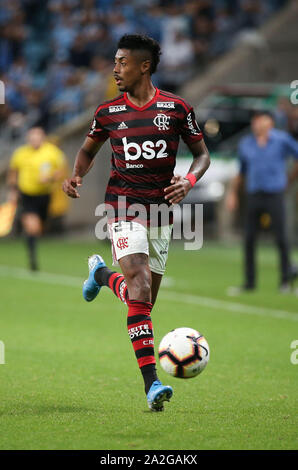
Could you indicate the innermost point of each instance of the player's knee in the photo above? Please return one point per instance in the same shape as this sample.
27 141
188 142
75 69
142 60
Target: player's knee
139 285
32 224
144 293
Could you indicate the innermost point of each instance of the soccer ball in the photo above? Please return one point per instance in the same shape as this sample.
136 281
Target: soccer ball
183 353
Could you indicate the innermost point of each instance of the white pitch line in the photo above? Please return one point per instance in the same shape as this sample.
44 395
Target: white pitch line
169 295
234 307
39 276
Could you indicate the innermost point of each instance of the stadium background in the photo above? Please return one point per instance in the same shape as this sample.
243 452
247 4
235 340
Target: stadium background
227 59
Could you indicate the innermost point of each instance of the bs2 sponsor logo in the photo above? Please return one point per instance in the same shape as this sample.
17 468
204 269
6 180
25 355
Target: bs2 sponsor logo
148 149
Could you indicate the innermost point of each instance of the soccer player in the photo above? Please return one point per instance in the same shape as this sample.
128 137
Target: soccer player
144 125
34 169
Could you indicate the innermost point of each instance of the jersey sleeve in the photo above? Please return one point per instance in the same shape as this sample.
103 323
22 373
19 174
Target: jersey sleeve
97 130
190 131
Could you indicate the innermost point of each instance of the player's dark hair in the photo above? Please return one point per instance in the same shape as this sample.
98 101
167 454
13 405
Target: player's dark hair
262 112
138 42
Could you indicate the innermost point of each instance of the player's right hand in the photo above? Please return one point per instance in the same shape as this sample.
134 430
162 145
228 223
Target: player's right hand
70 184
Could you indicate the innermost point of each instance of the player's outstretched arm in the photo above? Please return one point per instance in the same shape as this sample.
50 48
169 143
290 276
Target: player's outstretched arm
180 185
83 163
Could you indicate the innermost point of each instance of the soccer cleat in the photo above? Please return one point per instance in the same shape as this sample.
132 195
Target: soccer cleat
90 287
157 394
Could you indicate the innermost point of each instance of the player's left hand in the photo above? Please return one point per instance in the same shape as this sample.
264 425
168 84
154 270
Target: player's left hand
178 189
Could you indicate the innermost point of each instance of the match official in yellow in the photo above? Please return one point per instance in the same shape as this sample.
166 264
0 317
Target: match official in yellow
34 169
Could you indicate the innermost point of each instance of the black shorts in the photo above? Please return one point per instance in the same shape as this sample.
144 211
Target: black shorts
35 204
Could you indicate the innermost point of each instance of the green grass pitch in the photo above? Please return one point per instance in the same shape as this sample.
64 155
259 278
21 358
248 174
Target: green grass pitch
71 381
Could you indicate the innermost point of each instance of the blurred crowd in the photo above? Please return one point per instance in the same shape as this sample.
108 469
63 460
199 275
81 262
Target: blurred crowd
286 116
56 56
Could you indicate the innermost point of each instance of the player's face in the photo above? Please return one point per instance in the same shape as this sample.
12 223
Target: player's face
35 137
261 124
128 69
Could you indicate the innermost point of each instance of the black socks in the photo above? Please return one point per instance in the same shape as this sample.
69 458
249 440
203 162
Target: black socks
102 276
31 244
149 375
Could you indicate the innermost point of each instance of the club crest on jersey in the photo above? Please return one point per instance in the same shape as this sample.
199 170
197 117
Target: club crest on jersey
116 109
165 104
162 121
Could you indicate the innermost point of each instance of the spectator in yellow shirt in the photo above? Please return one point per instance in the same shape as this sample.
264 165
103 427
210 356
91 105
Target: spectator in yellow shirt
34 169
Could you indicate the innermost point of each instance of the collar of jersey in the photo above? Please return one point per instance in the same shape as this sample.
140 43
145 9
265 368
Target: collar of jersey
138 108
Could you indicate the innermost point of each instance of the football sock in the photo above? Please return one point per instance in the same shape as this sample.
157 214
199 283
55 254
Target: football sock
149 375
139 323
140 331
115 281
31 244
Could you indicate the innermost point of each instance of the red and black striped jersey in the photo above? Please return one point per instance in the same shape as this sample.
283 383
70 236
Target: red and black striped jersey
144 142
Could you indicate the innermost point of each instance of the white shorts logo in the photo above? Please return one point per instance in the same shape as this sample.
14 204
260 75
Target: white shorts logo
162 121
147 150
122 242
